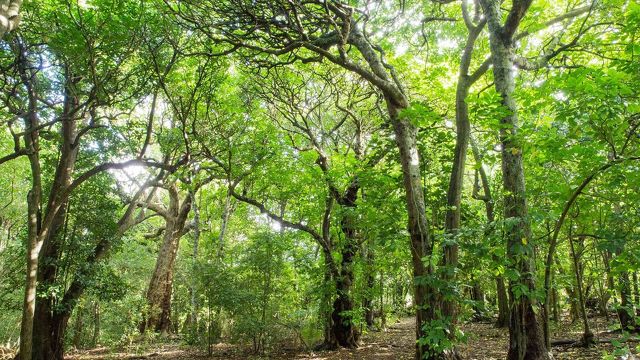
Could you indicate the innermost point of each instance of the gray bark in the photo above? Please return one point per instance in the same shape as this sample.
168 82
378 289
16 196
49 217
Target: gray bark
9 16
526 340
158 316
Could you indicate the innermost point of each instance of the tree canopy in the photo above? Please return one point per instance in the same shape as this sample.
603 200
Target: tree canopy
285 177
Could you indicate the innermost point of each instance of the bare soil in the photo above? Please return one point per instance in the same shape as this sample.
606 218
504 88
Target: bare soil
483 342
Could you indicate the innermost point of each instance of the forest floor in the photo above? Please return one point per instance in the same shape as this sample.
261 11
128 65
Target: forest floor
484 342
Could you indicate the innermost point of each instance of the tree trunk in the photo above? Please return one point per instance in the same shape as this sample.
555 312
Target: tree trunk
34 211
418 226
636 295
158 315
503 303
456 180
526 340
343 327
587 336
50 324
9 15
424 296
383 314
554 302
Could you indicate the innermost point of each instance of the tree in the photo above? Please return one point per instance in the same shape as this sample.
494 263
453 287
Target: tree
526 335
268 29
72 102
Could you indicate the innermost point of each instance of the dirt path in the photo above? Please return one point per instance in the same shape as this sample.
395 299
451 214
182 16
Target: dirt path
483 342
395 343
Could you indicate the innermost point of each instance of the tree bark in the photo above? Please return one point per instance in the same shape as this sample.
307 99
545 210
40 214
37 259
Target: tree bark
421 247
344 329
456 180
9 16
526 340
330 340
34 213
158 314
49 323
587 336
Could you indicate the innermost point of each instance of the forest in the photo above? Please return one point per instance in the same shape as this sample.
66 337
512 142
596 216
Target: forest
319 179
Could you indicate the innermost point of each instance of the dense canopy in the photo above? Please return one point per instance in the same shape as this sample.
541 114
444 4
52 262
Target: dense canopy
289 179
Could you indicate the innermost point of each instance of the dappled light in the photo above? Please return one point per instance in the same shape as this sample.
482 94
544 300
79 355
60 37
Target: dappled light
319 179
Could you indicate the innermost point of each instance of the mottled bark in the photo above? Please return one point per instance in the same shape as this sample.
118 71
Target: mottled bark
420 241
9 16
158 314
456 180
526 338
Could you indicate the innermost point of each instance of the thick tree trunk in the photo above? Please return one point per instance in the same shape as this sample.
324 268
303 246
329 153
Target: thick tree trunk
421 247
344 330
158 315
9 15
50 324
526 338
34 211
343 327
406 140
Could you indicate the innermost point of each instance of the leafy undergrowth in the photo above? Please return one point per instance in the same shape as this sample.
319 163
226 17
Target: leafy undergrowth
484 342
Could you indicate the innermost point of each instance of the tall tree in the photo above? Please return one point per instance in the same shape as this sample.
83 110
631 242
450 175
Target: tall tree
526 338
276 32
